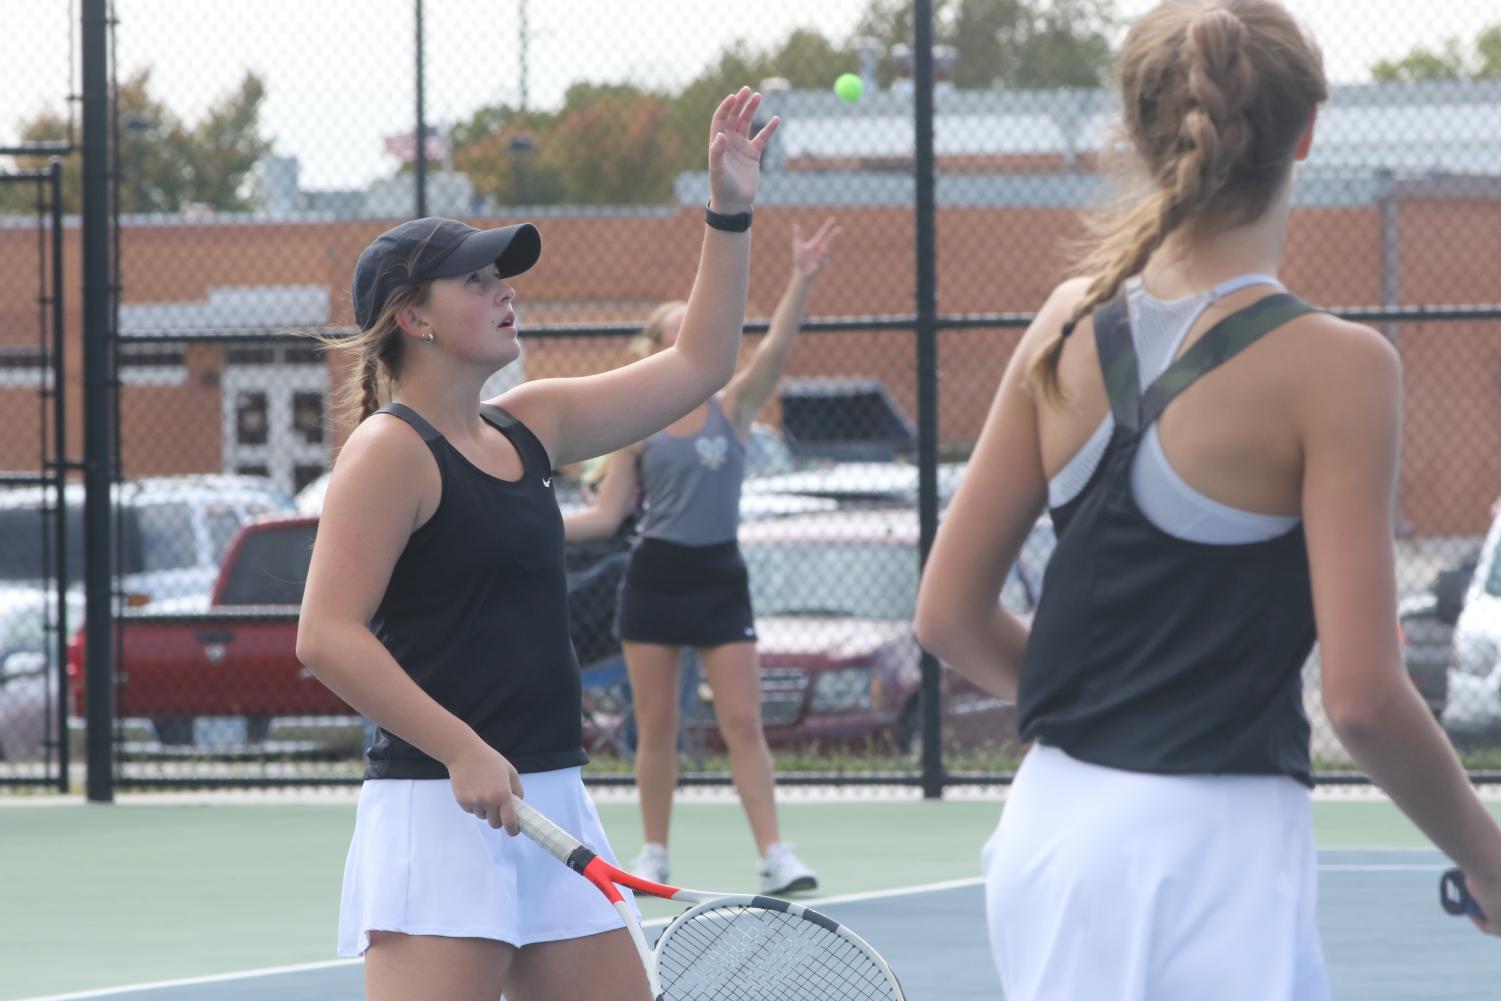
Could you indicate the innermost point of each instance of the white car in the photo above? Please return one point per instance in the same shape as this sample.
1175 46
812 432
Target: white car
1473 705
29 721
172 532
767 457
885 484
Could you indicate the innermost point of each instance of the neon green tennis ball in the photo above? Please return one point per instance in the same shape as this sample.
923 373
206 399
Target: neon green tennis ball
849 87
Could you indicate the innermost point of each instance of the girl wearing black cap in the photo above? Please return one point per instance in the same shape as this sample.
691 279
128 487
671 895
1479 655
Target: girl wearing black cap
436 599
1214 503
686 585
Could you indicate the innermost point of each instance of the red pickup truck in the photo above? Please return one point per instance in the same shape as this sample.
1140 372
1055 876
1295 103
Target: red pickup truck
235 657
178 661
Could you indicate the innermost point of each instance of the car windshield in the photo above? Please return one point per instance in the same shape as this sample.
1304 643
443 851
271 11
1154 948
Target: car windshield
272 566
29 551
867 580
871 580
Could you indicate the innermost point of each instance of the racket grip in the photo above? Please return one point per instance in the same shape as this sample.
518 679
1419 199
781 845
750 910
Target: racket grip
1455 896
556 841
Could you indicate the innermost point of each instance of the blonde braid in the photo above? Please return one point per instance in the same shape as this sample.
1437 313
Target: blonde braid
1189 84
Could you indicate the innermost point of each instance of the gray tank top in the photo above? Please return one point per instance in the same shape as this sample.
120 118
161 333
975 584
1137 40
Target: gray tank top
692 485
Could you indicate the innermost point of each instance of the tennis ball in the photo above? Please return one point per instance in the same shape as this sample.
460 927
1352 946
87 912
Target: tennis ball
849 86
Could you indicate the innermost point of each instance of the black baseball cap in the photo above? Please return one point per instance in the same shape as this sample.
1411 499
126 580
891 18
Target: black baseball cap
436 248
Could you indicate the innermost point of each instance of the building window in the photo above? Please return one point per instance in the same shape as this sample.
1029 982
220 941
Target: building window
151 364
307 416
251 418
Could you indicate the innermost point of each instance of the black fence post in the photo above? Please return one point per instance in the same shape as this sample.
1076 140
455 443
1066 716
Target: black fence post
60 468
419 165
98 404
927 371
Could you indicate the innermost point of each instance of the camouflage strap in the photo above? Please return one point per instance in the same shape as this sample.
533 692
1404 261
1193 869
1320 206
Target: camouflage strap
1112 338
1224 341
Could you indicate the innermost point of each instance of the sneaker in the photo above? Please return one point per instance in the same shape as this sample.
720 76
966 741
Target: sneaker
783 872
651 862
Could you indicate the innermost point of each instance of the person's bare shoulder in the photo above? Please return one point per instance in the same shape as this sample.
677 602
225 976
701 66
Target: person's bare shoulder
382 440
384 460
1342 366
1056 309
1332 351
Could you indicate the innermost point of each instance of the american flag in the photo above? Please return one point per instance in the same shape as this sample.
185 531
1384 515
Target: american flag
403 145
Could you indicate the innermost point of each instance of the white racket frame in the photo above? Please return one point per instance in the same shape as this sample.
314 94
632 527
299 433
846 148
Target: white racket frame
563 846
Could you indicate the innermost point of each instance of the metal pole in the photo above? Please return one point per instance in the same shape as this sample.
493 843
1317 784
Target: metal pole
419 172
1386 199
521 46
60 471
927 372
98 404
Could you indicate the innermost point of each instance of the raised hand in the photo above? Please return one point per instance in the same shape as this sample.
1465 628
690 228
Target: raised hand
734 154
811 255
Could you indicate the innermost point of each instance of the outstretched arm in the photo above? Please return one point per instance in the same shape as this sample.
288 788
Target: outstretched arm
748 392
617 495
584 417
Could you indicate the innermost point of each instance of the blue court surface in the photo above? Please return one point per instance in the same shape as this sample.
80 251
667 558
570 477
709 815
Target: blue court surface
1385 938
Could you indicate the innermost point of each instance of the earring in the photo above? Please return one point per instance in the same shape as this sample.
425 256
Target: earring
428 337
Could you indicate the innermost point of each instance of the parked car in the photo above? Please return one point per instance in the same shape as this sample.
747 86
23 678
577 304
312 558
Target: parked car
857 484
1472 707
29 724
236 654
172 532
766 455
834 595
1427 631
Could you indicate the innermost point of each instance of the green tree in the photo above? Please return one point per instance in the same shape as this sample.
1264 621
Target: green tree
1488 50
499 149
606 145
610 146
1025 44
165 164
1450 62
624 144
805 59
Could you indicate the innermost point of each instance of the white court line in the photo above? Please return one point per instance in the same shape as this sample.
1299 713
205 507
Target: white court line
816 903
1380 867
329 964
269 971
1385 850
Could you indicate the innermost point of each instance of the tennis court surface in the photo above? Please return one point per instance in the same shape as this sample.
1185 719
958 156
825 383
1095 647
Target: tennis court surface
234 902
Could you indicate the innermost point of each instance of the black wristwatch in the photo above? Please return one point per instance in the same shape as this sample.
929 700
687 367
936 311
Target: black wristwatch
730 222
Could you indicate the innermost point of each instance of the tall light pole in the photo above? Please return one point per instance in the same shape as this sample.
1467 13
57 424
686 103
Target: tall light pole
523 36
419 165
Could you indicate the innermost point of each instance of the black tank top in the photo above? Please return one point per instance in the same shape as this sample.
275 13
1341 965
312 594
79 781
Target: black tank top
1152 653
477 611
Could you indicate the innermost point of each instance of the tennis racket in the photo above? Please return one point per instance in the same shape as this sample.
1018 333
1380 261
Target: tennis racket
730 946
1455 896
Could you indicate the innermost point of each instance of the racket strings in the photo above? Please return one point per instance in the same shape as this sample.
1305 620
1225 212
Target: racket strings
750 954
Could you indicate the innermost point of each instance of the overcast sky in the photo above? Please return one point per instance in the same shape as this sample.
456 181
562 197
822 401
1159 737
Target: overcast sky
339 72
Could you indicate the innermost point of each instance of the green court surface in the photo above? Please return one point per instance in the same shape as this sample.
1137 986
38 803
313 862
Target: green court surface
106 896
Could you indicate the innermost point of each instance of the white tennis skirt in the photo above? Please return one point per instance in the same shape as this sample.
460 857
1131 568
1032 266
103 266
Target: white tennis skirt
420 865
1108 885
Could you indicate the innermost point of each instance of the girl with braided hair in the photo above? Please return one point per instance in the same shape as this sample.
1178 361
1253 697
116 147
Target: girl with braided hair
1216 507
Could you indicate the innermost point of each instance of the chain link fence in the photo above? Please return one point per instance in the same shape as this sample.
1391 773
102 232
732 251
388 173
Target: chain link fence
258 148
